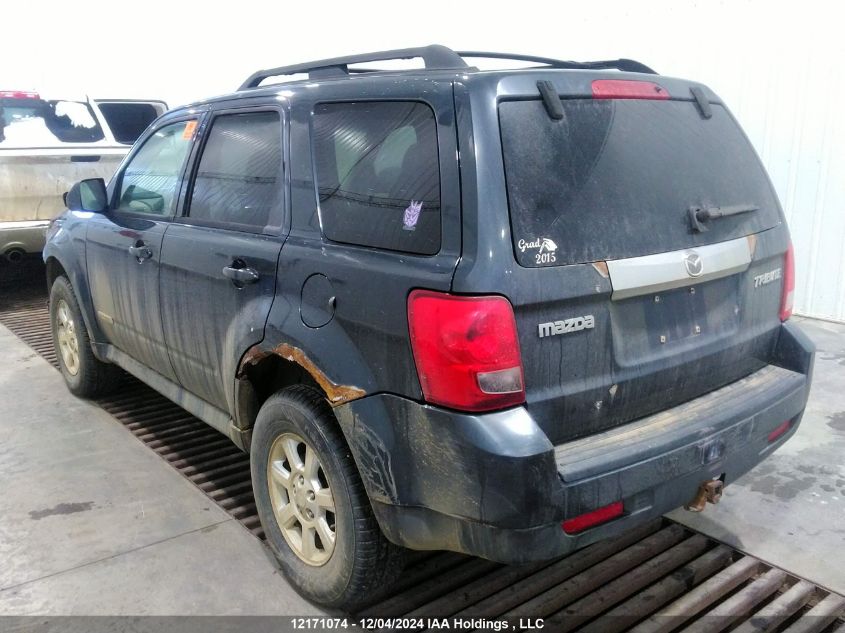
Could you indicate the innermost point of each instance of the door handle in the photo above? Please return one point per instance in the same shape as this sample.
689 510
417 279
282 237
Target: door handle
240 273
140 251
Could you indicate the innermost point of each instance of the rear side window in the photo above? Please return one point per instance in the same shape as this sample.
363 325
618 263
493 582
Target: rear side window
32 122
378 177
615 178
238 181
128 120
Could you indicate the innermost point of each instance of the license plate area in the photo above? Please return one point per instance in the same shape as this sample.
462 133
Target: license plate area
677 314
652 325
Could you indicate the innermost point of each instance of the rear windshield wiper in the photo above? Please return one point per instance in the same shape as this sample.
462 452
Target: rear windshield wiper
699 215
551 100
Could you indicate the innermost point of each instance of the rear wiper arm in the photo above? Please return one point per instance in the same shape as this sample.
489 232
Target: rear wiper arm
699 215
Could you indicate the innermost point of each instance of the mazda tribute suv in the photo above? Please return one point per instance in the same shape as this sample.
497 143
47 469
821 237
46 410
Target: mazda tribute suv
506 313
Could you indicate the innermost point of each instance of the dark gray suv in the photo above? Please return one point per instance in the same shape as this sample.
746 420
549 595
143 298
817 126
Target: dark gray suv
506 313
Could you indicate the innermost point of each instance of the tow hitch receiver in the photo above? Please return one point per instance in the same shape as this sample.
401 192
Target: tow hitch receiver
709 491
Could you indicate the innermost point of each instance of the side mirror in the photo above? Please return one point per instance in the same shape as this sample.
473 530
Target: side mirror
88 195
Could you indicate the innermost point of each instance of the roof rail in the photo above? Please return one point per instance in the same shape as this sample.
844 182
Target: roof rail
627 65
435 57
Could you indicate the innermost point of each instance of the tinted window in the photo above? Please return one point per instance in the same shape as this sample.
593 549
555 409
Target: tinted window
616 178
238 179
150 181
38 123
128 120
378 176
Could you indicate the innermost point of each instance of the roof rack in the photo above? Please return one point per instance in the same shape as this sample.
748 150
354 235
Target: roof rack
435 57
627 65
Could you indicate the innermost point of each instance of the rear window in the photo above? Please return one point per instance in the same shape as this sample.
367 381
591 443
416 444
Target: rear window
615 178
378 176
43 123
128 120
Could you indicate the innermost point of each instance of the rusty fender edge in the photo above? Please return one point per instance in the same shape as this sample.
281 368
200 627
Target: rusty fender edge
336 394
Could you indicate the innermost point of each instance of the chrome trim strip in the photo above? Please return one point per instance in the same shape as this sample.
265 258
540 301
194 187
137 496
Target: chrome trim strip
637 276
24 224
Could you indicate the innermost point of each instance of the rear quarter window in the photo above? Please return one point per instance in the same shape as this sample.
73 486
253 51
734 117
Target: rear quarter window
128 121
378 176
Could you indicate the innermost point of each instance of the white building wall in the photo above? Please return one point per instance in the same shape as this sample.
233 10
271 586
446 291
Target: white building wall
794 117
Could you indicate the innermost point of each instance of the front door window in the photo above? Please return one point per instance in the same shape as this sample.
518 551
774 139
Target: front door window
150 182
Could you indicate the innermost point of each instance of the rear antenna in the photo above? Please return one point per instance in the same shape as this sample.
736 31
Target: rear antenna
550 99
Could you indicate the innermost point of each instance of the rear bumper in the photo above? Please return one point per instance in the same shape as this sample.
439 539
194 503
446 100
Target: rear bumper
26 236
493 485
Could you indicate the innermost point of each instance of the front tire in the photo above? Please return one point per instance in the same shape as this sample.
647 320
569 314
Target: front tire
85 375
313 506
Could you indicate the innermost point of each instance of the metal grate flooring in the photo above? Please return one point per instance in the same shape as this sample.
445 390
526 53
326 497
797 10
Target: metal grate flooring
658 578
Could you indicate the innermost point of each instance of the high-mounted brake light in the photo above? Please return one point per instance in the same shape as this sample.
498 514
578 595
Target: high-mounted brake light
18 94
628 89
466 350
594 518
788 295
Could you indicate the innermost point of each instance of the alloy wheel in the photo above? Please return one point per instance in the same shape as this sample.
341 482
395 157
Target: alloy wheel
66 337
302 499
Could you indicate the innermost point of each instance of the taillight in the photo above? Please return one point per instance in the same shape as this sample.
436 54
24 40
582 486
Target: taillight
18 94
788 295
594 518
628 89
466 350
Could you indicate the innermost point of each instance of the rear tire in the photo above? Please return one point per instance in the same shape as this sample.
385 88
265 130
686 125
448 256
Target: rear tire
85 375
297 441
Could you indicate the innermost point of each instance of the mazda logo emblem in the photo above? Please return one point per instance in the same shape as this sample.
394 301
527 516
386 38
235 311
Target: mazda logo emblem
693 264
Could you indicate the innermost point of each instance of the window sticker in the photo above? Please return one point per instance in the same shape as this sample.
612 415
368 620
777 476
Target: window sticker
190 128
545 246
412 215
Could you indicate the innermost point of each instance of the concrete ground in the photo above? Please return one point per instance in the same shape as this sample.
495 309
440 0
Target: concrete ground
93 522
790 510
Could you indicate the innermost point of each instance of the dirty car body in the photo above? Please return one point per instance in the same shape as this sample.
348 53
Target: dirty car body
652 355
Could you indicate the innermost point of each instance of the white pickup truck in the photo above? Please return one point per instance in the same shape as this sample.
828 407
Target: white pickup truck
48 144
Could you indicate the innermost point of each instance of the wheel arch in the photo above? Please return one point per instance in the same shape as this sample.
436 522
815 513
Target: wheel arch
262 372
56 268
